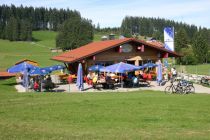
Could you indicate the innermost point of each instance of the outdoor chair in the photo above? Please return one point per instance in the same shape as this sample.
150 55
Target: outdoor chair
127 83
109 83
97 85
48 85
144 82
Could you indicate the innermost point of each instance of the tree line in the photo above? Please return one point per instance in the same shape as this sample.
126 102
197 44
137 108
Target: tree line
153 27
191 41
17 23
195 52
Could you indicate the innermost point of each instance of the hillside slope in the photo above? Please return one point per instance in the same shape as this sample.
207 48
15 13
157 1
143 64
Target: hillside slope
38 50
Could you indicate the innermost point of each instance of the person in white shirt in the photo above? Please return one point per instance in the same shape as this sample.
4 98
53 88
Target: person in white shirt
173 72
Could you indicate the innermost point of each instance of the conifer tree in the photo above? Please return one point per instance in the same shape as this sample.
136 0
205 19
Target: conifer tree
181 40
200 47
74 33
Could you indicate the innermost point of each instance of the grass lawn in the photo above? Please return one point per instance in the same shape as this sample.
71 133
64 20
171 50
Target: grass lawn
203 69
133 115
39 50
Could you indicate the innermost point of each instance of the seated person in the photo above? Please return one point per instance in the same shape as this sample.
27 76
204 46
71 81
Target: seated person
144 75
101 79
48 84
89 76
140 76
149 76
95 79
135 80
70 79
112 75
130 75
36 86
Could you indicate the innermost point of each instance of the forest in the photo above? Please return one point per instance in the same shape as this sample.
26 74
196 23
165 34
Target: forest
17 23
191 41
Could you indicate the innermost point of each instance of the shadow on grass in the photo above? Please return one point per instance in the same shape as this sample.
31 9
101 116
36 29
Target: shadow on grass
10 84
35 39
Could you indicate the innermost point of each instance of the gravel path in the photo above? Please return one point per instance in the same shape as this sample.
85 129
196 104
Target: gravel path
198 88
154 86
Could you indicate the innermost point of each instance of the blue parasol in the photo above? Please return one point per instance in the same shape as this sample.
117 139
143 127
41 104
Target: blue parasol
23 68
149 65
20 68
95 68
120 68
79 83
39 71
159 73
54 68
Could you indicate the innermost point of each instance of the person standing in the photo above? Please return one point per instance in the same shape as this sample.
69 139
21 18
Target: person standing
173 72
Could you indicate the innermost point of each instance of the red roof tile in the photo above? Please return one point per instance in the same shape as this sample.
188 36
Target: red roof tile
23 60
6 74
96 47
156 43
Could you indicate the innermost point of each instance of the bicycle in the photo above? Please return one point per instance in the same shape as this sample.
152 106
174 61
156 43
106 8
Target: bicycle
185 87
170 89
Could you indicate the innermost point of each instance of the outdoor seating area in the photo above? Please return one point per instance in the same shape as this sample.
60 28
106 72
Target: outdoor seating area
116 76
34 78
123 75
120 75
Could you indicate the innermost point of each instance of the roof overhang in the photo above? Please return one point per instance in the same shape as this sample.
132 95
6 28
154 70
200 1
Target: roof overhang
76 58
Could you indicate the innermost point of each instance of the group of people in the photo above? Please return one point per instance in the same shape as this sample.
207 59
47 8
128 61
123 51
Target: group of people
38 82
129 78
167 75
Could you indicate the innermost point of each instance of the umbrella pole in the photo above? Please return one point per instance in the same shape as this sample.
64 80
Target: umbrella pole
121 81
27 82
41 82
69 87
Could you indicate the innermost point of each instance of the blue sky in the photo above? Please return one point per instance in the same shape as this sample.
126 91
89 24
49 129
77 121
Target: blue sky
109 13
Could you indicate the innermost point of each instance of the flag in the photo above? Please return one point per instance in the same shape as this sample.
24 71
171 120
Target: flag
169 38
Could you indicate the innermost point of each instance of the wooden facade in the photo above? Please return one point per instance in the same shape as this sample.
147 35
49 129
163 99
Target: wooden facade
108 52
113 55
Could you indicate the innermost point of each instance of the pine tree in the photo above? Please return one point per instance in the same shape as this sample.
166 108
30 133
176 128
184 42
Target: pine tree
181 40
28 30
9 30
126 27
74 33
200 47
15 29
23 32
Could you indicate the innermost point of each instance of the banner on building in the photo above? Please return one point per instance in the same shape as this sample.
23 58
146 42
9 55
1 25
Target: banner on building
169 38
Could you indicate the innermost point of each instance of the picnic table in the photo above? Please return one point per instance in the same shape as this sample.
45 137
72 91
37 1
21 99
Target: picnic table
105 84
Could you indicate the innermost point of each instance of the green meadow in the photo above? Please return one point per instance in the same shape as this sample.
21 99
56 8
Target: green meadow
202 69
114 115
37 50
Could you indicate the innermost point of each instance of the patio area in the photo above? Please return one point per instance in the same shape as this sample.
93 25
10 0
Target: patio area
72 88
